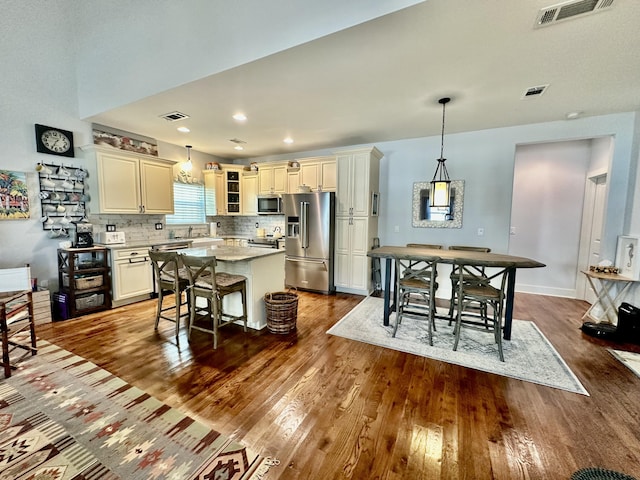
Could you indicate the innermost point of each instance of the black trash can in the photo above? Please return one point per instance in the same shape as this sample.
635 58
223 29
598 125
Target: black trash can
628 323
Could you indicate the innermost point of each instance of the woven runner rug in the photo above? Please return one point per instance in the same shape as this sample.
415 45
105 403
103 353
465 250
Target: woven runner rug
63 417
529 356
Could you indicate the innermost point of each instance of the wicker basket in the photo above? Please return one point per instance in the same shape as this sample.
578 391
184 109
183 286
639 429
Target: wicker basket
282 311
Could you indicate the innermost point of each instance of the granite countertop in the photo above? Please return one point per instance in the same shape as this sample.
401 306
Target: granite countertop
156 242
226 253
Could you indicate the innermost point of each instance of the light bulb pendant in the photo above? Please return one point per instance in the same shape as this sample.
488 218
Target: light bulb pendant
440 187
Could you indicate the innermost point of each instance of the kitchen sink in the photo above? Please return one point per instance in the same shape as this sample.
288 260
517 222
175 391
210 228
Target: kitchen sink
206 241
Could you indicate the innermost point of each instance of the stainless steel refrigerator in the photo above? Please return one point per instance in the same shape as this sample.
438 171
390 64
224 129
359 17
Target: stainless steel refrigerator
310 235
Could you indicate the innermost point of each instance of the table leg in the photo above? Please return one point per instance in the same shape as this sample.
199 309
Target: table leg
387 292
508 309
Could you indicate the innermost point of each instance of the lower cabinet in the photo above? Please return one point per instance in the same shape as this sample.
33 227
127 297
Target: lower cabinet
132 274
352 266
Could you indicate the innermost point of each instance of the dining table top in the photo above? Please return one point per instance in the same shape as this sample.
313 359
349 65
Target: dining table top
488 259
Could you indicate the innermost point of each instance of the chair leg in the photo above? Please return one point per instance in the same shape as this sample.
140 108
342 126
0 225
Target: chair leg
398 311
244 305
192 312
159 309
452 302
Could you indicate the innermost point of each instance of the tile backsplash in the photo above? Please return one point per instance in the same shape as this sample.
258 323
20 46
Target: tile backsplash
142 227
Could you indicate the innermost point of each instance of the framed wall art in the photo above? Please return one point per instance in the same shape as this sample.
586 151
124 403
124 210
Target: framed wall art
627 259
14 196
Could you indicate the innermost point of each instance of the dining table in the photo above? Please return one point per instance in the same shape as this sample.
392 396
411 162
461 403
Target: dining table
451 257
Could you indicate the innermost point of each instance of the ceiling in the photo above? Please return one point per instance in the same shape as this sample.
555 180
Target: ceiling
381 80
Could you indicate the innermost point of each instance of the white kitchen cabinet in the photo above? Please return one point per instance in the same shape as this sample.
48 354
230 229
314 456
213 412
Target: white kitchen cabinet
272 178
315 173
352 266
121 182
214 193
357 177
249 190
132 275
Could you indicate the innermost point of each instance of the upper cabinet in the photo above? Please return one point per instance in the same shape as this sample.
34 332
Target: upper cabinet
127 183
317 173
214 196
249 190
272 178
358 172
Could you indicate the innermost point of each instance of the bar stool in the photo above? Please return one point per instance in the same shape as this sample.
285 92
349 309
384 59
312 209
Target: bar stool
479 289
204 282
468 278
415 276
170 277
412 298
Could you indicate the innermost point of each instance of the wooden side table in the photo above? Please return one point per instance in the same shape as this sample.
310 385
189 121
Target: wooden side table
602 285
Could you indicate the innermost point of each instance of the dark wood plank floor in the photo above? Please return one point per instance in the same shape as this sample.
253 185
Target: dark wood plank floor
329 408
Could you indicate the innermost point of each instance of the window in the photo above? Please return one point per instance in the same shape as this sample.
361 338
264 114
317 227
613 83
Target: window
188 204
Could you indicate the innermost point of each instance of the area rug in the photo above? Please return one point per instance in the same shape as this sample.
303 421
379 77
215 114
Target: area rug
529 356
630 359
63 417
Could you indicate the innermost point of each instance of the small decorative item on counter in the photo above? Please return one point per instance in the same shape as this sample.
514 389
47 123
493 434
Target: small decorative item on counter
603 269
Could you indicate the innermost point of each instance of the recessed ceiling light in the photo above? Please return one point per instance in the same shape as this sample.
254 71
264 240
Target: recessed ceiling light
240 117
288 140
572 115
238 147
183 129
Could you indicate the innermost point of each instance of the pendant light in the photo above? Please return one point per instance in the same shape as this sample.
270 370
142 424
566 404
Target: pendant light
188 166
440 188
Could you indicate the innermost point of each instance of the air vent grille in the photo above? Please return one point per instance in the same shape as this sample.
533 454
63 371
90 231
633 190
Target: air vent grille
571 9
174 116
535 91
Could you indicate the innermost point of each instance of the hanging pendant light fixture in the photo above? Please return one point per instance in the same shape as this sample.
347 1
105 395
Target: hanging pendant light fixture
440 188
188 166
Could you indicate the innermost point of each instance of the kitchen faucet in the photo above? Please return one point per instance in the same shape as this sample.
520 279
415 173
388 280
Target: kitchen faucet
190 231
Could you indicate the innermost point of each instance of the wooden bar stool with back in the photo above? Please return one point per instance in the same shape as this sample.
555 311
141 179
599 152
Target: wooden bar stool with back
170 278
205 282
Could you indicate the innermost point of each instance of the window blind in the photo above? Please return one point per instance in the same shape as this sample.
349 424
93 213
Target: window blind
188 204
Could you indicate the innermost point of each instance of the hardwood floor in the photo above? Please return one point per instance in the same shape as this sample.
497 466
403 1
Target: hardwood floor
328 407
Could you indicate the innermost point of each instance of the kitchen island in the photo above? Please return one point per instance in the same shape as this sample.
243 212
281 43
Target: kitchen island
264 269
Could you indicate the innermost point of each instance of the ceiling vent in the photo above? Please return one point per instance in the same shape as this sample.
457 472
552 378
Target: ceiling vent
567 10
174 116
535 91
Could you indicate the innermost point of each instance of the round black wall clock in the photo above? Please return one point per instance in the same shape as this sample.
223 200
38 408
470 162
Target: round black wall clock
54 141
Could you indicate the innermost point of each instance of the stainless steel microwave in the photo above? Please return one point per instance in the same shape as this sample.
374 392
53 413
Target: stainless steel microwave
269 204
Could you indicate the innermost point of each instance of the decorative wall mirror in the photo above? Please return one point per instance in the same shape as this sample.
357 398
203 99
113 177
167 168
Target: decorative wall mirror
437 217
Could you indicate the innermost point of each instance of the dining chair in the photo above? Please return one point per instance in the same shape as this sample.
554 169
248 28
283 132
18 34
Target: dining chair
468 278
171 278
205 282
416 275
480 290
16 316
412 299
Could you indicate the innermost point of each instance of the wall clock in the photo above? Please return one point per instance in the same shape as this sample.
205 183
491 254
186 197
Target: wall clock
54 141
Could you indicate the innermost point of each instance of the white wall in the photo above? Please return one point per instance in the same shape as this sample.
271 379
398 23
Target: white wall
546 215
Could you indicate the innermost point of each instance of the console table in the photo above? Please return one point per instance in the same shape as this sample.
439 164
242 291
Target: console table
602 285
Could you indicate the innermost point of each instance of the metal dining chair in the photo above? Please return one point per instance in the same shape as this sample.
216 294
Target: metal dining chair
454 277
416 275
171 278
205 282
478 289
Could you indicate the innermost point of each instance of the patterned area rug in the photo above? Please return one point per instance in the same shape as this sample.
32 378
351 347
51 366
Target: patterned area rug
62 417
630 359
528 355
